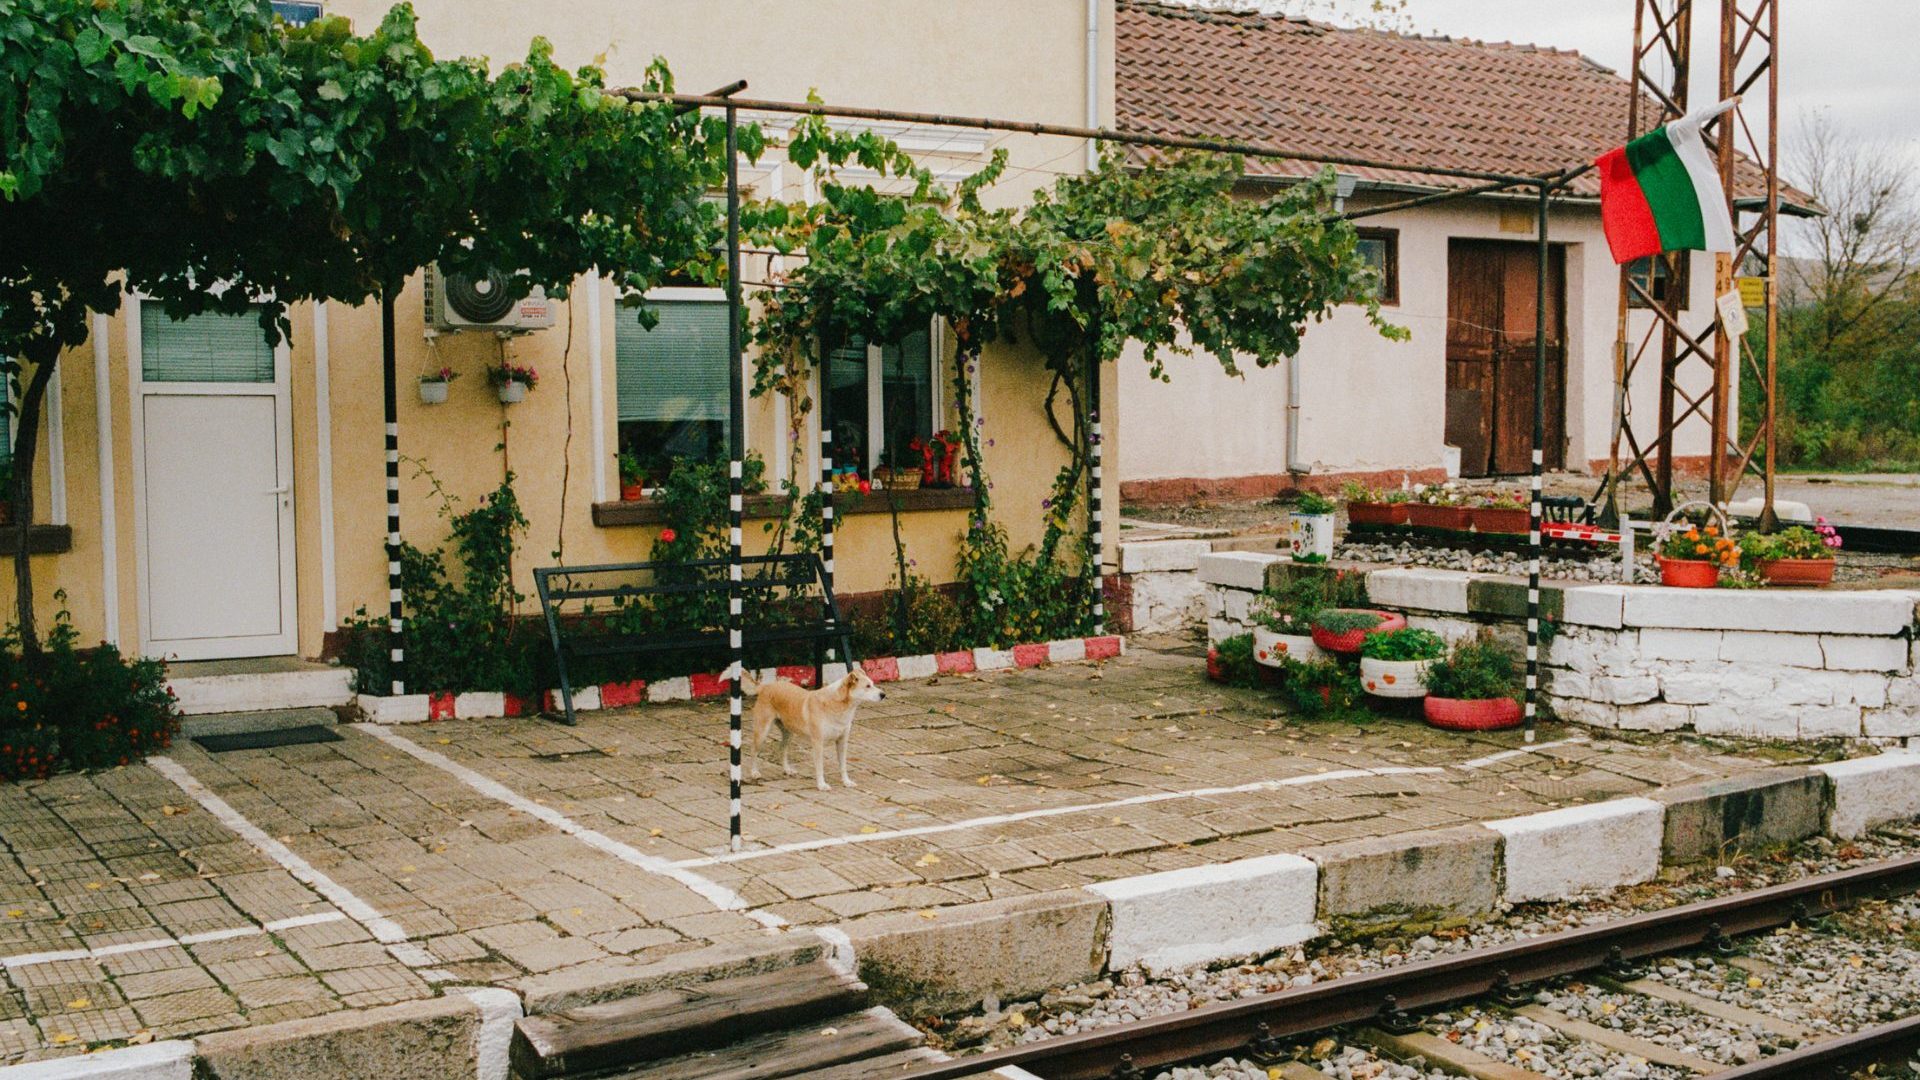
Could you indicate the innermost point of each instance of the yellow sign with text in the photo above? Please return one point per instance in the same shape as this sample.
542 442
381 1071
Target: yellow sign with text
1753 291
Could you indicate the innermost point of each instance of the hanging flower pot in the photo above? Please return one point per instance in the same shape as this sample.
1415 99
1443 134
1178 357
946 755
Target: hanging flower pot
512 382
1472 714
512 392
433 386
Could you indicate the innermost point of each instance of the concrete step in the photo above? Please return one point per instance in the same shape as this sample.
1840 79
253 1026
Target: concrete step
631 1032
241 723
856 1045
263 685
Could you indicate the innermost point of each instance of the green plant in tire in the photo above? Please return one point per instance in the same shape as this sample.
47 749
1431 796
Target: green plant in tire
1318 688
1408 644
1236 660
1475 671
1345 621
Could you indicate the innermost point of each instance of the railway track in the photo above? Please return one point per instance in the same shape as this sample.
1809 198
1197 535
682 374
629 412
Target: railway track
1381 1008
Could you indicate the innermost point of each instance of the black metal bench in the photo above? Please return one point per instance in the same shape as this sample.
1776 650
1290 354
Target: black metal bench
782 601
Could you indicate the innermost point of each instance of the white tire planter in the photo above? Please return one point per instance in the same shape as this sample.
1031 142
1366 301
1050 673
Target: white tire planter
433 393
1273 649
1394 678
1310 535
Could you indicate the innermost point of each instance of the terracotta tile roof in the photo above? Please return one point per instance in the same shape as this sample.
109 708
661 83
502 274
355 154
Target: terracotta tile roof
1363 93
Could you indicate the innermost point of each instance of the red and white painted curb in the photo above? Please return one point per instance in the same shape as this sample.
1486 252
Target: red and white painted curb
420 708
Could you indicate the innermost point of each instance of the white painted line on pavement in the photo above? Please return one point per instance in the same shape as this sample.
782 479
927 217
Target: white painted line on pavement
713 892
202 938
384 930
1056 811
1506 755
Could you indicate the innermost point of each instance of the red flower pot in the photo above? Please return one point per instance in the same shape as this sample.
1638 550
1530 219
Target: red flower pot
1216 670
1349 642
1472 714
1689 573
1486 519
1797 571
1457 518
1371 513
632 492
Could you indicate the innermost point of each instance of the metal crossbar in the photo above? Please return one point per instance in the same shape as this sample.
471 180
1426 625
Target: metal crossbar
583 632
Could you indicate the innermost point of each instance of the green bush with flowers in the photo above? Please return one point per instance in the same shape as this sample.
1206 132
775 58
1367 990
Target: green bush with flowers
73 708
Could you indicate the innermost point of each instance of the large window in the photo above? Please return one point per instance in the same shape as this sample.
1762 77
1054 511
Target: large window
211 347
880 398
1652 275
671 382
1381 247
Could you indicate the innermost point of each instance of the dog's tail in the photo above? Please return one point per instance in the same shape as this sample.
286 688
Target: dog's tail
748 684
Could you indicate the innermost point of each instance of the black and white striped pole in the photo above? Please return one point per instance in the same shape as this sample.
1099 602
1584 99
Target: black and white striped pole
736 454
1539 460
390 393
826 492
1097 537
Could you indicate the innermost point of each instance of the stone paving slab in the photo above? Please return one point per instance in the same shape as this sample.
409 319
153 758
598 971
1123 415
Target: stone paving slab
398 863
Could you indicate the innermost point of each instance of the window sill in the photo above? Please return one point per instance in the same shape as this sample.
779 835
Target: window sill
41 539
649 512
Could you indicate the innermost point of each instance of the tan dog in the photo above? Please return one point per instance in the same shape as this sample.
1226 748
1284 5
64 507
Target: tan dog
823 716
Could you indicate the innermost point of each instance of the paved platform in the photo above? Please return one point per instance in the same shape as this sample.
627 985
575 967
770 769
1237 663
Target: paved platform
202 892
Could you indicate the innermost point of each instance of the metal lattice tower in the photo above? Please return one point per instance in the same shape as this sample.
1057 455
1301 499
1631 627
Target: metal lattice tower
1699 367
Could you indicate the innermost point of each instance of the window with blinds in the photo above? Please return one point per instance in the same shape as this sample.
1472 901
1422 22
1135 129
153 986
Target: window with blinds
671 382
210 347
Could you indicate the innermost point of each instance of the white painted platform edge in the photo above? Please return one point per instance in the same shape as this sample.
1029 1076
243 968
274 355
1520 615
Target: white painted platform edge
263 692
499 1009
170 1060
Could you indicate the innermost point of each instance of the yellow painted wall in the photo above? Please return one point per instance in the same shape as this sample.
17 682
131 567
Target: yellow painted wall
996 57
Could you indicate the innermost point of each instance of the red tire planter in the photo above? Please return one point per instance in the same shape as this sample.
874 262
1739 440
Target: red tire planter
1472 714
1216 668
1797 571
1457 518
1689 573
1490 520
1370 513
1349 642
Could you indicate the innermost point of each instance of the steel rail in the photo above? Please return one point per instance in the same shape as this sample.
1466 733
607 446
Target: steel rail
1829 1057
1264 1024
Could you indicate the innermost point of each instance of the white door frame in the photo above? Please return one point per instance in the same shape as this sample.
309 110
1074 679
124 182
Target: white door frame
287 642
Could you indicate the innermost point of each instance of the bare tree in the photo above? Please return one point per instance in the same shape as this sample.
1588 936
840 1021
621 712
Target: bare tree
1860 273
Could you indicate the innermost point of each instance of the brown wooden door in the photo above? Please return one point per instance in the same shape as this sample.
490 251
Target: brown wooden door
1491 313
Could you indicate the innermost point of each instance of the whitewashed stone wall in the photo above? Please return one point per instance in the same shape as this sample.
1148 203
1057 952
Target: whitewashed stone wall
1231 580
1773 664
1163 575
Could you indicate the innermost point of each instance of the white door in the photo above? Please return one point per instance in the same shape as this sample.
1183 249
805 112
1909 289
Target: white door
214 483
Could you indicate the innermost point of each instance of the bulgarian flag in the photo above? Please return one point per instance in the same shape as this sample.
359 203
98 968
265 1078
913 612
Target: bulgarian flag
1661 192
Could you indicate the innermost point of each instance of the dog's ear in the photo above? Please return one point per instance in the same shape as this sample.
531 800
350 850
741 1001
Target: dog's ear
845 688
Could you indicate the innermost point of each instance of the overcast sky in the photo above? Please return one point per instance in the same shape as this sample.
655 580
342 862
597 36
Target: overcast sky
1857 59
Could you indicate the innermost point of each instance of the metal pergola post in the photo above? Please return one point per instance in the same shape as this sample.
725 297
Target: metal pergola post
1539 461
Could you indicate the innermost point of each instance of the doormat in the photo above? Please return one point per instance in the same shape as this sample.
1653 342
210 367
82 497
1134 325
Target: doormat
266 740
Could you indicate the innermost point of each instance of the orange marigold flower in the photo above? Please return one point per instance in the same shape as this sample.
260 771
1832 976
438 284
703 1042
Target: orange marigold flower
1699 549
1713 530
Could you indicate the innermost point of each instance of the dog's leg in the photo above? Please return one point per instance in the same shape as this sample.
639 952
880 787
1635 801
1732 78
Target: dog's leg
786 745
753 757
820 763
844 778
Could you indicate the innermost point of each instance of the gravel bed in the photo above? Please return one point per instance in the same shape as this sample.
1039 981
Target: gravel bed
1337 1061
1133 994
1530 1044
1829 982
1490 562
1665 1024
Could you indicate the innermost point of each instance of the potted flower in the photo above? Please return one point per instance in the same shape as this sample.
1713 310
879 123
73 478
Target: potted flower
1310 528
512 381
1691 556
1283 625
1794 556
1343 630
1394 664
1373 506
943 466
1502 512
1439 506
901 471
1475 688
433 386
633 479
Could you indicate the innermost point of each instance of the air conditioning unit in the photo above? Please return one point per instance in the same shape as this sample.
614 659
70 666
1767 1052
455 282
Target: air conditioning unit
457 301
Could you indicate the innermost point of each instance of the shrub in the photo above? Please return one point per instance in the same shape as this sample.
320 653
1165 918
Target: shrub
73 708
1475 670
1408 644
1346 620
1320 687
1311 503
1236 660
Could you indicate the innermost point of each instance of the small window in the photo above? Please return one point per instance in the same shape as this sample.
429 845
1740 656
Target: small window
212 347
671 383
1660 284
297 12
1381 248
886 389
